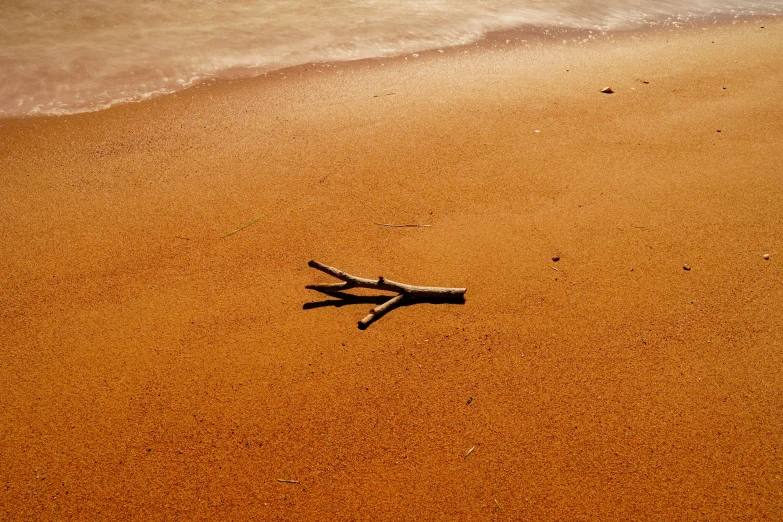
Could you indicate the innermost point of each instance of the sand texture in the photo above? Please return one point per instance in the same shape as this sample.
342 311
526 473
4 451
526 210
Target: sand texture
155 366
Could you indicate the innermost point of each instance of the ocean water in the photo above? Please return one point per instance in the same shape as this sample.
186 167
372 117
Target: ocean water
67 56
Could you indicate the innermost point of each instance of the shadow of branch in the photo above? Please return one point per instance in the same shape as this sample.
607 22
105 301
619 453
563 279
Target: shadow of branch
343 299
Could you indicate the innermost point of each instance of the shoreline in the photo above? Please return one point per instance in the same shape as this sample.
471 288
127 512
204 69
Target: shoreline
524 35
163 358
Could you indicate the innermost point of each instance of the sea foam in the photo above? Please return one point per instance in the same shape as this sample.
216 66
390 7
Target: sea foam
67 56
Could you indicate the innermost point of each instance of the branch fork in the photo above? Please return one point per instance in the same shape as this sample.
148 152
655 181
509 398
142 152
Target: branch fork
405 293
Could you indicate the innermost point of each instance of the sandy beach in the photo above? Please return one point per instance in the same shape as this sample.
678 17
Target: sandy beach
161 362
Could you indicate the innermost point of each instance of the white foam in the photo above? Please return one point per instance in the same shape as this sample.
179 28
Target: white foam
66 56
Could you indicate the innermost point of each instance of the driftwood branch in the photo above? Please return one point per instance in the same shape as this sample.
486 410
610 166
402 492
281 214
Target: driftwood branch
405 293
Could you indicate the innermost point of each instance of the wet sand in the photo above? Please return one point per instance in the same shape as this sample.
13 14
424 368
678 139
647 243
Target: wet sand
155 366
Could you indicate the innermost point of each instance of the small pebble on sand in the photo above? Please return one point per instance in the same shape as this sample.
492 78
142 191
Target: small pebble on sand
686 267
555 258
766 256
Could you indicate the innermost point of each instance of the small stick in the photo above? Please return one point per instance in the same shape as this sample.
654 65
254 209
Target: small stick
382 284
405 292
381 309
243 228
470 451
497 505
288 481
401 226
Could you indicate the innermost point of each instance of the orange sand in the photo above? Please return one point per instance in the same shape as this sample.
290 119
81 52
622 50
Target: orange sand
153 369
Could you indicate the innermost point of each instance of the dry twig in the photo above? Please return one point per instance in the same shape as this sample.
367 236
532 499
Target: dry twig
401 226
405 293
243 227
